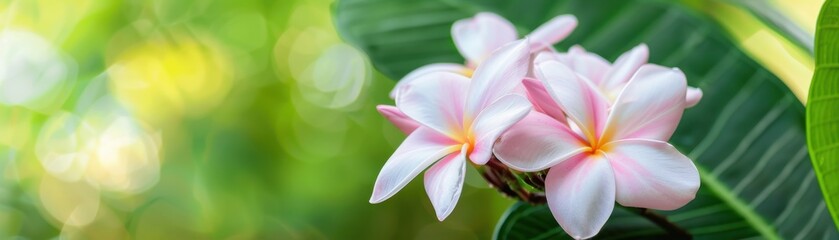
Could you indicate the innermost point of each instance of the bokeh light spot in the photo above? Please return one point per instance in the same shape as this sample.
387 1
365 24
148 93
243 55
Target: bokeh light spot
337 78
164 80
106 225
33 73
126 159
71 203
17 125
64 145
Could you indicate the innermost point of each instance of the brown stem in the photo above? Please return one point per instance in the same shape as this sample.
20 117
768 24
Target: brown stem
672 229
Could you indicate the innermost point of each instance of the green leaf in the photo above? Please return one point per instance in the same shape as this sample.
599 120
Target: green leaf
524 221
779 22
747 135
823 107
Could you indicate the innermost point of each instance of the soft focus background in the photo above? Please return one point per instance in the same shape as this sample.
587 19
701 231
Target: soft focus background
200 119
210 119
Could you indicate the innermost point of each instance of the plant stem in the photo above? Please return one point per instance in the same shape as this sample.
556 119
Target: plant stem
672 229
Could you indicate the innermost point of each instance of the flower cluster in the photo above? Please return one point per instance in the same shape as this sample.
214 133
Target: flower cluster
599 129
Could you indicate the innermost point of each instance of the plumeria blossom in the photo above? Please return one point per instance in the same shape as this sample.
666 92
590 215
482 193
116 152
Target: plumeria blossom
459 119
476 38
601 152
609 78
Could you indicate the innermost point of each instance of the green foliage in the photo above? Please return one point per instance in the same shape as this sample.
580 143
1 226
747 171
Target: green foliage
271 160
780 23
747 135
524 221
822 111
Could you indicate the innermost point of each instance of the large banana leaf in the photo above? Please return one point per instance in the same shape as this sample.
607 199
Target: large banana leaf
746 135
823 106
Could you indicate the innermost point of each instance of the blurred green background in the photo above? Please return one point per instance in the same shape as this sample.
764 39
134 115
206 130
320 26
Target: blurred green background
201 119
206 119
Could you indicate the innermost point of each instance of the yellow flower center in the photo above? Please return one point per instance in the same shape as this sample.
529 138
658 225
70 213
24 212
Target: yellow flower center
467 72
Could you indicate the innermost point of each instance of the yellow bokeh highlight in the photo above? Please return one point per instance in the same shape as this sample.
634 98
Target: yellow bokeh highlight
70 203
109 151
126 158
63 146
168 78
16 124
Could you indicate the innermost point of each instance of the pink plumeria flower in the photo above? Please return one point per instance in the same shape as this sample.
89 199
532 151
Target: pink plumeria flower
475 38
609 78
605 152
459 119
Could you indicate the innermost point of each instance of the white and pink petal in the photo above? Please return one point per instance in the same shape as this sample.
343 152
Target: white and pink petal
692 97
590 65
422 148
502 72
430 68
494 120
624 68
581 194
444 182
545 56
538 142
477 37
650 106
580 99
552 31
541 99
652 174
436 100
399 119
